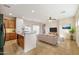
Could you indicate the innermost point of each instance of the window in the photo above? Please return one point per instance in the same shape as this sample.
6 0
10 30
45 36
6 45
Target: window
36 29
78 22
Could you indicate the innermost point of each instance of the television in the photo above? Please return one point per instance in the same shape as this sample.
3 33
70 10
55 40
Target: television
67 26
53 29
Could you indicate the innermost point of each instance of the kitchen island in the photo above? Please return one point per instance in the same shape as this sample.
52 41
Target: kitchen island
26 38
27 41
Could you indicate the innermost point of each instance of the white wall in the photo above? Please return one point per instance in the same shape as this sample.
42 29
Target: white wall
19 25
59 24
22 22
30 23
77 27
49 24
65 32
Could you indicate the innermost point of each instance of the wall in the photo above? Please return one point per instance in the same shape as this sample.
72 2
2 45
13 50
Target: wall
19 26
0 9
65 32
30 23
59 23
49 24
77 27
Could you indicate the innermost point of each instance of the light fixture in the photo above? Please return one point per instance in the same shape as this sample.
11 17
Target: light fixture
50 19
10 14
33 11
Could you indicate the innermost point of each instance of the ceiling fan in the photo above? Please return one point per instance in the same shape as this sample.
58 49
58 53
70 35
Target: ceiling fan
50 18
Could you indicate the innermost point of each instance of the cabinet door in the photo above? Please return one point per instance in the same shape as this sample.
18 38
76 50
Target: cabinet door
7 37
12 23
12 36
20 40
6 23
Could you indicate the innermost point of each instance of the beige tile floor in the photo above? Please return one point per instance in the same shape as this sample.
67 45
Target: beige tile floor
67 47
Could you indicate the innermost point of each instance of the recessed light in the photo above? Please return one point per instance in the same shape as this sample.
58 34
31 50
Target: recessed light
33 11
10 14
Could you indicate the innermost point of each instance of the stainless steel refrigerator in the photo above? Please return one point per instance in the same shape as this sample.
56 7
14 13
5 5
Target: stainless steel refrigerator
2 35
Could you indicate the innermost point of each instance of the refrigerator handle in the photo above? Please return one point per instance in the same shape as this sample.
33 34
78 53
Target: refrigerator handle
4 32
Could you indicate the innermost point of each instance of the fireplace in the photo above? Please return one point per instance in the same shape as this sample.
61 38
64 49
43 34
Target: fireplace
54 29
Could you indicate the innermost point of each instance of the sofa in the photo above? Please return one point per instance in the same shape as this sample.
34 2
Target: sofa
48 39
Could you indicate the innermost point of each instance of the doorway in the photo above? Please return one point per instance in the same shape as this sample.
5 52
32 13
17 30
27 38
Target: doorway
36 29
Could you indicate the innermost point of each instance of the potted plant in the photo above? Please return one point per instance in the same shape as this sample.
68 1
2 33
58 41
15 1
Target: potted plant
72 31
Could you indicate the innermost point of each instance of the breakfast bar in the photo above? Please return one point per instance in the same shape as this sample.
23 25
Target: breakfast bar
27 41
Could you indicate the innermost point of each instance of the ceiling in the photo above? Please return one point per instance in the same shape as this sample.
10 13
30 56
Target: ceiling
40 12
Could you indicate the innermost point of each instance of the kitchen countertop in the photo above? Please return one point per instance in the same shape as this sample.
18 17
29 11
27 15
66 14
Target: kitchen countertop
21 34
29 40
27 33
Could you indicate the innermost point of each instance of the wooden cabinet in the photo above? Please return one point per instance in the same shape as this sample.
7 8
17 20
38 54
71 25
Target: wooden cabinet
10 23
6 24
10 36
20 40
10 26
7 37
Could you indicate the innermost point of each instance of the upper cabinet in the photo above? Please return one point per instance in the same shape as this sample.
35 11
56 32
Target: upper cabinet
10 27
10 22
